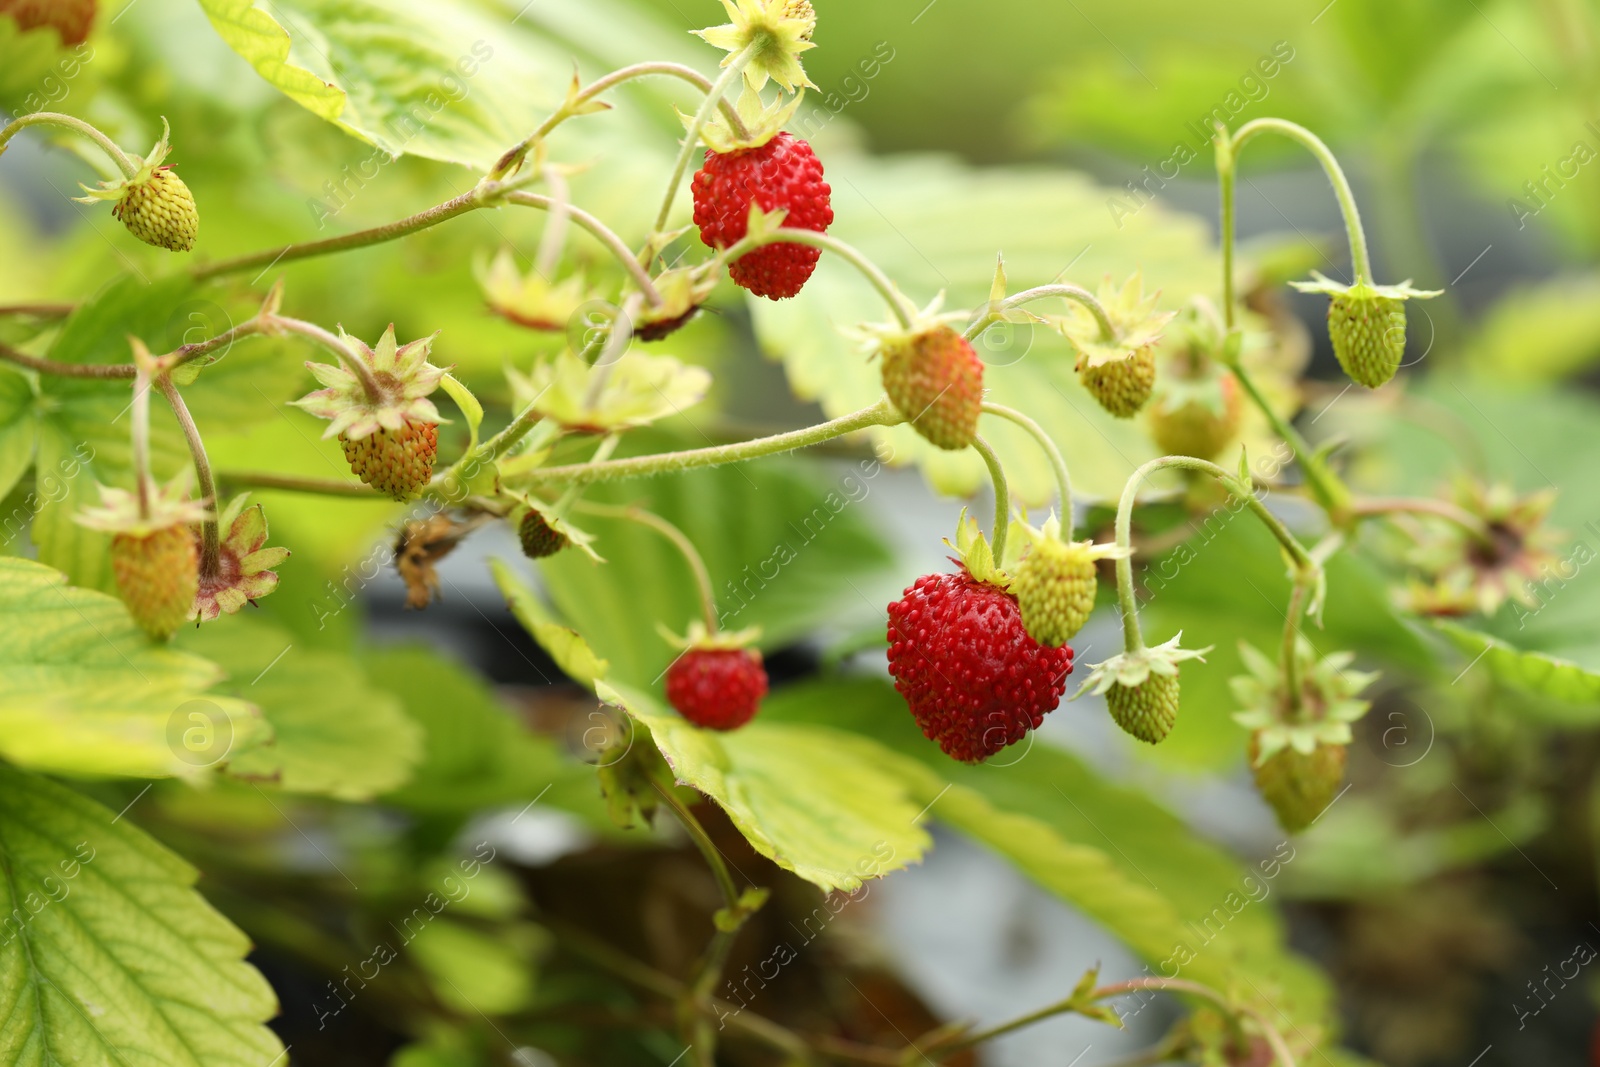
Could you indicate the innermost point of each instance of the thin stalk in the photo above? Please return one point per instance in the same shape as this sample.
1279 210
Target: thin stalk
691 140
1058 462
1108 332
141 437
210 537
554 238
1002 497
616 347
186 353
51 118
694 1002
602 232
904 311
1377 507
512 158
1291 634
66 370
38 311
339 347
882 413
295 484
480 195
680 540
1360 261
1132 636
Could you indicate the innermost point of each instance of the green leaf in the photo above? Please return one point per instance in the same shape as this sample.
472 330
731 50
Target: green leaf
800 555
18 429
476 972
470 407
1539 333
827 805
563 644
1535 673
110 956
333 733
441 80
82 690
476 755
1113 853
899 214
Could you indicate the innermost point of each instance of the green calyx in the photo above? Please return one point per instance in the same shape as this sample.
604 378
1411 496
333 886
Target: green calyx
1141 687
1367 324
1328 701
1055 582
778 30
762 122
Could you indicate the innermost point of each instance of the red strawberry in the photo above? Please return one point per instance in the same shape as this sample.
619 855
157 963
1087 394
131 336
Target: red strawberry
539 538
717 688
781 174
975 681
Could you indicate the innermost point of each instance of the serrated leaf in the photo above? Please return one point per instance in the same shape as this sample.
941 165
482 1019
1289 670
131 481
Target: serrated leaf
334 734
18 432
117 959
1537 673
82 690
564 644
824 804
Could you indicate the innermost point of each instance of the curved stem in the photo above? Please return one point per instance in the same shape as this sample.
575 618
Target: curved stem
554 238
479 196
1330 491
882 413
512 158
210 537
904 311
1377 507
1132 636
601 231
295 484
51 118
680 541
1002 498
1359 259
616 347
1057 462
691 139
338 346
1108 331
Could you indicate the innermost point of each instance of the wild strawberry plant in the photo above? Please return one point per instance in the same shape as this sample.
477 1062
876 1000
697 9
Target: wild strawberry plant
130 652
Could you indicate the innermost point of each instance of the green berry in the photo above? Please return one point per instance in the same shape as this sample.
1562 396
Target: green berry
1299 786
1147 710
1055 586
1122 386
539 538
1369 336
160 211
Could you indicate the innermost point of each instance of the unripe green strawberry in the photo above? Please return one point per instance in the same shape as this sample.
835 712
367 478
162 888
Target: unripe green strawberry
153 203
1148 710
158 575
1141 688
539 538
155 556
160 211
1369 336
1367 324
396 462
1197 419
390 435
1123 386
1297 785
1055 583
936 380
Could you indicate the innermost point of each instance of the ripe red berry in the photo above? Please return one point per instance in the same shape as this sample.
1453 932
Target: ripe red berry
783 173
717 688
975 681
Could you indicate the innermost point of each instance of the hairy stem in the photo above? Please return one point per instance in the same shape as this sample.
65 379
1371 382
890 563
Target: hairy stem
691 138
680 541
1108 332
1002 497
1132 636
339 347
882 413
480 195
1360 261
904 311
67 122
514 157
176 358
1058 463
295 484
38 311
554 238
210 536
601 231
140 422
1377 507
